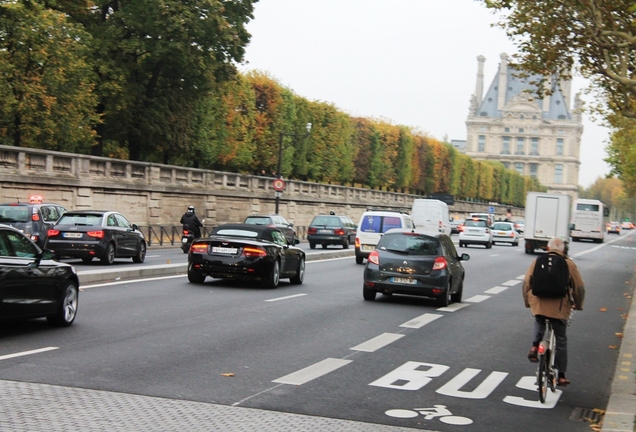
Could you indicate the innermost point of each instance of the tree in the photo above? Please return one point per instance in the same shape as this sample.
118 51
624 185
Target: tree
622 152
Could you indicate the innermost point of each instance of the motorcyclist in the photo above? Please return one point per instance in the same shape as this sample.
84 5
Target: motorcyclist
192 222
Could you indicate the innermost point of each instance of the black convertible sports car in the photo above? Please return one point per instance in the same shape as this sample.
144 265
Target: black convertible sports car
246 252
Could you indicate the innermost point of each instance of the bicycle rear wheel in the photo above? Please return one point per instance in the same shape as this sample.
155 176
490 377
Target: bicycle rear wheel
542 376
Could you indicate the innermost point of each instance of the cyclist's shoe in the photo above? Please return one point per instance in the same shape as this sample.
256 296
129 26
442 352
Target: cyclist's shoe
532 355
563 381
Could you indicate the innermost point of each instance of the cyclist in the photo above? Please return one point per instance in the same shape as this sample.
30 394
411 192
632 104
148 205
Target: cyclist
190 220
556 309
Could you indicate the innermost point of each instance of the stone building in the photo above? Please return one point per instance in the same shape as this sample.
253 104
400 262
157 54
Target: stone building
539 138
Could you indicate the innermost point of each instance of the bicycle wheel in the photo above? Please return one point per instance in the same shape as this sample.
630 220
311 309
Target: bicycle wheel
542 376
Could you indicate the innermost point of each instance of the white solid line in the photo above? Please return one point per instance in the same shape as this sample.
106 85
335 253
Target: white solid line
377 342
421 320
285 298
453 307
131 281
512 282
496 290
477 299
312 372
24 353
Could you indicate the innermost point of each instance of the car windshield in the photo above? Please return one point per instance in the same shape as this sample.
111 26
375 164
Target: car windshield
502 226
410 244
379 224
326 221
14 213
475 223
80 219
258 220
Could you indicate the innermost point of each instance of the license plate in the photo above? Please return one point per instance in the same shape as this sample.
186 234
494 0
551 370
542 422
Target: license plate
404 280
324 231
501 233
224 250
184 240
367 247
72 235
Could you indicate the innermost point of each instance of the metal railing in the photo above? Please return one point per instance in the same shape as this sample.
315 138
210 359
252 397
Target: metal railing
170 235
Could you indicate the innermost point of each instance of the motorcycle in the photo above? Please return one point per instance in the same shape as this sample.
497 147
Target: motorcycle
186 239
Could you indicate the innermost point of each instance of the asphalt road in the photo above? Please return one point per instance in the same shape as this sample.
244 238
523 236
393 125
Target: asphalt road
320 349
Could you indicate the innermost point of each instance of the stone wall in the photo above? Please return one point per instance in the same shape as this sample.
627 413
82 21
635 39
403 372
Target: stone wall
157 195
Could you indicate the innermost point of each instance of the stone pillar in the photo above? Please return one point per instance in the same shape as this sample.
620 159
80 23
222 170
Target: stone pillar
479 87
502 85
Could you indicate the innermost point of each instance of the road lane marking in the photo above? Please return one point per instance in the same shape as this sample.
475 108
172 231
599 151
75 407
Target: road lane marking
285 298
83 287
377 342
522 277
25 353
512 282
421 320
496 290
453 307
477 299
312 372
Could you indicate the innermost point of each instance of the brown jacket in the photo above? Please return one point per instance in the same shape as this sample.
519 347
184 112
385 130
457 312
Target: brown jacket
554 307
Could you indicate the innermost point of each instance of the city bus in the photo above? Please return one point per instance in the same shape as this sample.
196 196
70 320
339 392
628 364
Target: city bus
588 220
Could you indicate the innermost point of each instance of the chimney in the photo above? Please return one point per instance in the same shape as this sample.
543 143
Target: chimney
502 86
479 88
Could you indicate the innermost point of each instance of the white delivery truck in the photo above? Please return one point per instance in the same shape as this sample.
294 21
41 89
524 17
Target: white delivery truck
431 215
547 216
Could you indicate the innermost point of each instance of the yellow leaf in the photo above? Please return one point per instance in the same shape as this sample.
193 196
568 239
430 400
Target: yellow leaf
228 374
603 309
613 346
620 335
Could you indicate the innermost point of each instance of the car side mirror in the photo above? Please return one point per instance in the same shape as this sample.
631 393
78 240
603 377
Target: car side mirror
464 257
135 227
291 225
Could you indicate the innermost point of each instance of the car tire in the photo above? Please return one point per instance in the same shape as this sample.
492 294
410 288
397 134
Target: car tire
141 253
359 259
67 309
195 276
457 297
271 281
312 245
445 299
109 256
345 244
87 259
461 244
324 245
300 273
489 245
368 294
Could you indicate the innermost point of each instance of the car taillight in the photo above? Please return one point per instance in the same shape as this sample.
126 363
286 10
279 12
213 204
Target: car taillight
374 257
254 252
312 230
199 247
96 234
460 228
35 217
357 243
439 264
53 232
338 231
186 232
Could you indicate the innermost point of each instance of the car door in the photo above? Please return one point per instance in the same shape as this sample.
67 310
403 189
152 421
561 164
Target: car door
454 264
129 239
289 256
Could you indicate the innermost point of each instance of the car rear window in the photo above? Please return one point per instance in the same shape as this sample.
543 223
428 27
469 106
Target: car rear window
326 221
475 223
502 227
258 220
14 213
236 233
410 244
80 219
379 224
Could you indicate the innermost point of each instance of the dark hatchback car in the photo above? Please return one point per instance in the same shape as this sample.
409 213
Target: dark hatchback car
33 218
246 252
101 234
32 284
328 230
274 220
415 263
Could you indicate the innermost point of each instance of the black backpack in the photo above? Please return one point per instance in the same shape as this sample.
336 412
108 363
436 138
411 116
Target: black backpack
551 276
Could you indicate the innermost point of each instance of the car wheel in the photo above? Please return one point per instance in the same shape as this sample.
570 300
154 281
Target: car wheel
312 245
457 297
300 273
368 294
461 244
359 259
345 244
87 259
324 245
274 276
195 276
109 257
488 245
445 299
67 309
141 253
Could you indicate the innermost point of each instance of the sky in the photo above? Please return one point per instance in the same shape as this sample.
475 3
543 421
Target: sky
408 62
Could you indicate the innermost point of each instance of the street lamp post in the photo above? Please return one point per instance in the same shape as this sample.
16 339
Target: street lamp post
280 158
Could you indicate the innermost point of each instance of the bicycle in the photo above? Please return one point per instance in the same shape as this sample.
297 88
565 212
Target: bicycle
547 372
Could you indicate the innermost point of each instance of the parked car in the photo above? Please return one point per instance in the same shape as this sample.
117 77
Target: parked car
32 283
373 224
456 226
246 252
33 218
476 231
274 220
614 228
331 229
415 263
101 234
505 232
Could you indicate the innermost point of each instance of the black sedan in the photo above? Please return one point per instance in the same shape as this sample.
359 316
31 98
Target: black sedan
32 284
89 234
415 263
246 252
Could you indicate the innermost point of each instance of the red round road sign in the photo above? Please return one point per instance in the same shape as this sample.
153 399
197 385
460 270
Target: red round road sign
279 185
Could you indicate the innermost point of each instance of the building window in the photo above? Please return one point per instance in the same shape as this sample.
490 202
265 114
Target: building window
534 168
481 143
519 167
558 173
507 130
534 146
559 147
505 148
521 143
520 130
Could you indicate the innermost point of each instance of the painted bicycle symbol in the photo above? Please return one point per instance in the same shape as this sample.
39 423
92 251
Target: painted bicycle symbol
445 416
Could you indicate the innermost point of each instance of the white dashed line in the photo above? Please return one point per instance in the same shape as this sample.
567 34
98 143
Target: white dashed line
496 290
312 372
477 299
421 320
377 342
25 353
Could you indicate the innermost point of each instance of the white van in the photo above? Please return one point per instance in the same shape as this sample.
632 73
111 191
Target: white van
373 224
431 215
488 216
